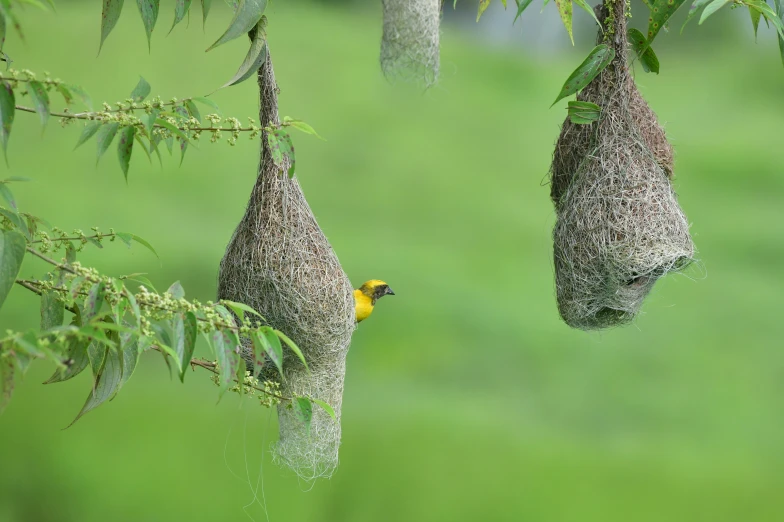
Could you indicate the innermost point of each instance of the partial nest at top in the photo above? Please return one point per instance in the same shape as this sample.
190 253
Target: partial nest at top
410 42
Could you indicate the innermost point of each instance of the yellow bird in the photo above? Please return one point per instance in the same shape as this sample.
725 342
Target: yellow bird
365 297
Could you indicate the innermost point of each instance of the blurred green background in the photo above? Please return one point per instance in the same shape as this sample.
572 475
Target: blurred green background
466 397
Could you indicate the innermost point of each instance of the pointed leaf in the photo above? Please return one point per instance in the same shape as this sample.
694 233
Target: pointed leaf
661 11
303 409
648 58
88 132
274 146
192 109
52 310
294 348
12 252
105 136
129 347
7 108
326 407
185 331
227 358
304 127
107 381
176 290
565 10
205 10
272 346
93 302
109 17
144 243
40 99
584 5
246 16
755 20
125 148
482 8
149 11
240 308
180 10
521 6
257 55
583 112
208 102
7 195
7 371
712 8
141 91
596 61
76 360
82 94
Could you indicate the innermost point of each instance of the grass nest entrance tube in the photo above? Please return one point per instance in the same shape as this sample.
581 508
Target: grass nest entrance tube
619 226
280 263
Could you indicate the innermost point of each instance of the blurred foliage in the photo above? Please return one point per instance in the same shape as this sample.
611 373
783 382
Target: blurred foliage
466 398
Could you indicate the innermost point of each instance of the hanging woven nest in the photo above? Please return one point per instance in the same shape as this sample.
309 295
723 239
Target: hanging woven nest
409 45
619 226
280 263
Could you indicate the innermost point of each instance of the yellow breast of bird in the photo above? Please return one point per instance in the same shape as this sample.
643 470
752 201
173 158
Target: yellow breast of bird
363 305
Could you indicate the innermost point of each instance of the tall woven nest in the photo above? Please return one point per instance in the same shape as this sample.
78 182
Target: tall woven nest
619 226
409 45
280 263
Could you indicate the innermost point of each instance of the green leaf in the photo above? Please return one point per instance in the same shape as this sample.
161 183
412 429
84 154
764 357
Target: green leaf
326 407
521 6
14 218
176 290
584 5
648 59
7 195
172 128
7 13
780 18
303 409
109 17
12 252
286 146
6 381
65 92
107 382
193 110
148 120
755 20
141 241
7 108
76 360
256 56
265 340
149 11
293 346
93 302
105 136
76 286
208 102
183 115
767 12
141 91
125 148
565 10
205 10
583 112
227 358
129 348
88 132
483 4
52 310
240 308
712 8
82 94
180 10
142 280
596 61
246 16
274 146
661 11
40 99
185 331
304 127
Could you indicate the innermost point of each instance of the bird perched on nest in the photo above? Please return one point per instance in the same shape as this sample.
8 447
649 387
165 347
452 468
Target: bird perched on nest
365 297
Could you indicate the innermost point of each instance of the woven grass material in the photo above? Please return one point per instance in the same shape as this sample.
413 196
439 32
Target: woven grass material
619 226
410 41
280 263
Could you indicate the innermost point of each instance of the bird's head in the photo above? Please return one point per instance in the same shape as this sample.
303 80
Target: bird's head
375 289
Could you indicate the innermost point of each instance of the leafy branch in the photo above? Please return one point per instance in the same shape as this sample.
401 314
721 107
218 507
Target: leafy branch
111 326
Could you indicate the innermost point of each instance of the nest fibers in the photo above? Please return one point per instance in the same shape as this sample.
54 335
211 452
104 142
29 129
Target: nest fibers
409 45
280 263
619 226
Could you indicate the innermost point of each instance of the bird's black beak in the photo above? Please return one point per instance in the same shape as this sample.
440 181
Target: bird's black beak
389 291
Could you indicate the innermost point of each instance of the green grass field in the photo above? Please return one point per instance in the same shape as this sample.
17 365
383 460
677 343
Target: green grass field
466 397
